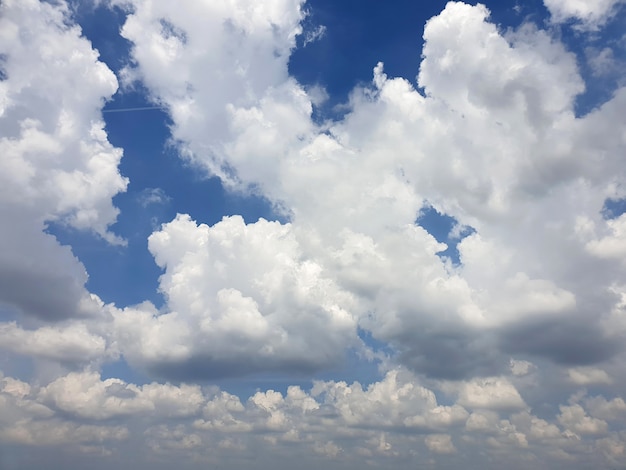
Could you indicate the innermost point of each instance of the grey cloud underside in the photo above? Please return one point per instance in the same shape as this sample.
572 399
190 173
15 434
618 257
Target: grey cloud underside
452 355
40 295
569 342
206 368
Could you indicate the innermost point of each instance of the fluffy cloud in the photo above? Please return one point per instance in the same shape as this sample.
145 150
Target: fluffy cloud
58 165
575 419
493 142
489 138
71 344
85 395
242 298
440 444
199 41
590 13
333 419
490 393
588 376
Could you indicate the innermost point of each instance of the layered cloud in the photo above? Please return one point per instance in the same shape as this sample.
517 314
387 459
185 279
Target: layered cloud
340 422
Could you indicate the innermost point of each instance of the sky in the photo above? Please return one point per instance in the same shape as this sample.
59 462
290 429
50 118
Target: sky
341 234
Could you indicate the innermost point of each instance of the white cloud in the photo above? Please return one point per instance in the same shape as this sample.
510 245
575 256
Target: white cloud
536 428
521 368
493 142
600 407
314 35
150 196
613 245
591 14
588 376
241 298
26 421
57 165
491 393
440 444
71 344
575 419
85 395
396 400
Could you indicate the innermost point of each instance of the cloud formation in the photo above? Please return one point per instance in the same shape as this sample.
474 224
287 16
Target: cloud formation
590 14
512 354
58 165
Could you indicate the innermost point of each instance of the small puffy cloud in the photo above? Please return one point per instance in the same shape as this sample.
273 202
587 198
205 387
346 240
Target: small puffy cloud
149 196
440 444
495 393
220 413
328 449
575 419
613 244
71 344
521 368
85 395
535 428
613 448
609 410
439 417
395 400
591 14
588 376
25 420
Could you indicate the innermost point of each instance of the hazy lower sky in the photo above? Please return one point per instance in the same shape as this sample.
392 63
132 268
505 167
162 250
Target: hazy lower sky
245 234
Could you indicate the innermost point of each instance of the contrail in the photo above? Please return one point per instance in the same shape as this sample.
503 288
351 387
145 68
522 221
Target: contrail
143 108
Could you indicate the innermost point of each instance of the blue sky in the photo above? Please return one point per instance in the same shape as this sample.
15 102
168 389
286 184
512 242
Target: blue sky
252 234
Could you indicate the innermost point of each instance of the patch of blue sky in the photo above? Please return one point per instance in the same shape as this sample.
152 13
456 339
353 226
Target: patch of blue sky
444 228
613 208
601 59
120 369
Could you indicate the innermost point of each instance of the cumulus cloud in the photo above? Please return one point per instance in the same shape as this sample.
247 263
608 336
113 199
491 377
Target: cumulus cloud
85 395
490 393
489 137
591 14
242 298
588 376
575 419
493 130
71 344
58 165
200 40
440 444
333 419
